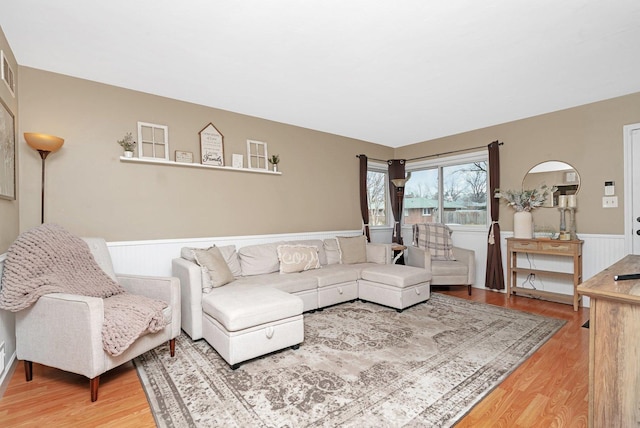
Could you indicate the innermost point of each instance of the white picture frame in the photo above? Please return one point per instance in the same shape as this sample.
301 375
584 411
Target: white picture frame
237 161
257 156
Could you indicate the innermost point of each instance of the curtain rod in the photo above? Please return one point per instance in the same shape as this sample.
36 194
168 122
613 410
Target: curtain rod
436 155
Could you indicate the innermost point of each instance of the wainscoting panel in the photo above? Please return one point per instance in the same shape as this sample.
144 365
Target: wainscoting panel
154 257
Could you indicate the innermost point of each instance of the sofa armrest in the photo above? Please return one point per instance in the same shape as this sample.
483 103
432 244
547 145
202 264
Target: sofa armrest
190 276
417 257
469 258
164 288
71 320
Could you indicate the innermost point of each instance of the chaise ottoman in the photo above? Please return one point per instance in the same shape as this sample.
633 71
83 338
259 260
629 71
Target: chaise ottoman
396 286
245 324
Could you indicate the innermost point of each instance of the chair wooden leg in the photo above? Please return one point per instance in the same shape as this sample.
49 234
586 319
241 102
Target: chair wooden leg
93 385
172 347
469 286
28 370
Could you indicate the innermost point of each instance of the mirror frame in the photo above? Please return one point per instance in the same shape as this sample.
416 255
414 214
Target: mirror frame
568 183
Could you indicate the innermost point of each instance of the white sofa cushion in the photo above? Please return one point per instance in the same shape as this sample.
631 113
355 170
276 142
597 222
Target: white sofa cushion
332 251
239 309
297 258
259 259
291 283
328 276
396 275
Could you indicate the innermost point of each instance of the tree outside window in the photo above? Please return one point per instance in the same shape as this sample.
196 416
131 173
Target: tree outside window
452 194
377 197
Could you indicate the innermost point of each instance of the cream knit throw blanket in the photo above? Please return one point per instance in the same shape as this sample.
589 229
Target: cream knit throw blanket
48 259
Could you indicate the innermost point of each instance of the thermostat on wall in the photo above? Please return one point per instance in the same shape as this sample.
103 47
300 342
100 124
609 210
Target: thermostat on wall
609 188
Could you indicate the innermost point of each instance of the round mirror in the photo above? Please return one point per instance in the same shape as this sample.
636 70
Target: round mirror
553 173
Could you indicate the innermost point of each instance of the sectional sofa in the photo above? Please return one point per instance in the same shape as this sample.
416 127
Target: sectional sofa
248 302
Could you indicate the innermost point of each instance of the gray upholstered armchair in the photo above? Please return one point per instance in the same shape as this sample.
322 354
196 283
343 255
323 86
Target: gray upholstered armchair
433 250
65 330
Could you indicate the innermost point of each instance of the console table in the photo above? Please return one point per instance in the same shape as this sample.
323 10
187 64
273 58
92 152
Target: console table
551 247
614 346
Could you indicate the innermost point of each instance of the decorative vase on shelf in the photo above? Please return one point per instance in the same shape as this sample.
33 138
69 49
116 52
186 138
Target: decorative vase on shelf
275 167
522 225
128 154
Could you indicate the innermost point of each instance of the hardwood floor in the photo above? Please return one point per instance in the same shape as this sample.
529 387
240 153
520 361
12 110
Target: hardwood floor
550 389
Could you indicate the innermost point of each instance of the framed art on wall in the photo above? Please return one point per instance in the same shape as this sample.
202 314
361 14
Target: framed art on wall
257 155
211 146
7 153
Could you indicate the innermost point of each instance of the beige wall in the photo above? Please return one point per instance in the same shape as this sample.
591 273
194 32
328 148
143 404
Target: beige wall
8 208
589 137
91 192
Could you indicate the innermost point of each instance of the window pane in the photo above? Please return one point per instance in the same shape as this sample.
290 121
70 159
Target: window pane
421 197
465 194
377 197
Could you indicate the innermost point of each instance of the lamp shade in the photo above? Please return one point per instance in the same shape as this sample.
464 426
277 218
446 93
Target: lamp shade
399 182
44 142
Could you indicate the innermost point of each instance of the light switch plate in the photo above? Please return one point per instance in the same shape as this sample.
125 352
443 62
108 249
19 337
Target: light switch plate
610 202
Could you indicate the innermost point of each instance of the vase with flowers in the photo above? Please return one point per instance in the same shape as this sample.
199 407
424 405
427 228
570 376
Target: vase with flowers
128 145
523 201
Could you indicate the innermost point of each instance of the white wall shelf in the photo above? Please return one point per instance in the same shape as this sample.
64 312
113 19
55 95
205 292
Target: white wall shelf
197 165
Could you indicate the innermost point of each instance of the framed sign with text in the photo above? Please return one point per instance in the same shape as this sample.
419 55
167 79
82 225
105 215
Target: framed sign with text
211 146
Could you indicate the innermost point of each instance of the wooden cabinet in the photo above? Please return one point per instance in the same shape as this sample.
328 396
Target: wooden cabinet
571 249
614 346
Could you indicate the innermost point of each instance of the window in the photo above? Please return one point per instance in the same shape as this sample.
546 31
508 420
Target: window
377 196
153 141
448 190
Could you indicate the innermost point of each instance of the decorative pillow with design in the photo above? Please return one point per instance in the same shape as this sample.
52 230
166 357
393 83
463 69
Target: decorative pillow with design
435 237
298 258
352 249
212 261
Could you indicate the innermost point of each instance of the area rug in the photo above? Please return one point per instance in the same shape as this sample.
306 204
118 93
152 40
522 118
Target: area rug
361 365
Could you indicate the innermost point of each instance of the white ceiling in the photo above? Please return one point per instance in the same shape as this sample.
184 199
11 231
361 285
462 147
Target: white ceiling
391 72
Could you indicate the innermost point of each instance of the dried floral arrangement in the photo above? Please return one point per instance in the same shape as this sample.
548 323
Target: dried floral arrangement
526 200
127 142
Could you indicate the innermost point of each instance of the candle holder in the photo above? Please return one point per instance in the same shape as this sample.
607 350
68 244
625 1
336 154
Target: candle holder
572 225
563 223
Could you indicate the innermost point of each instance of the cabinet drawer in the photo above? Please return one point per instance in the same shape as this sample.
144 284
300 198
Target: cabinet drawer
525 245
558 247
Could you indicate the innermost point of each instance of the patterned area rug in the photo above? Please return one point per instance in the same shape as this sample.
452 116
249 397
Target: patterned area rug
361 365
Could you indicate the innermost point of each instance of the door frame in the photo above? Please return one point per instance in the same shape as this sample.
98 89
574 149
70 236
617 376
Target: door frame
628 185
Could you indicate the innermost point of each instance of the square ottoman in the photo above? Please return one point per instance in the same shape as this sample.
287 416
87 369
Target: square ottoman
242 324
396 286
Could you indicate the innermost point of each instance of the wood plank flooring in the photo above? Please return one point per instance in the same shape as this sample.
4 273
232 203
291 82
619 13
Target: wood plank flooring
550 389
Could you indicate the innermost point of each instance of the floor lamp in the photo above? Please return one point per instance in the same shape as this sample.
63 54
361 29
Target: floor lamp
44 144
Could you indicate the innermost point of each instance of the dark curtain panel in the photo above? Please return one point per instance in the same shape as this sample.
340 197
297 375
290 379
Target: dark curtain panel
396 170
364 204
495 275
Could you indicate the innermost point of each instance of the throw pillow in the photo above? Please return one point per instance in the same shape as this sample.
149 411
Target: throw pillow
228 252
352 249
435 237
298 258
332 251
217 268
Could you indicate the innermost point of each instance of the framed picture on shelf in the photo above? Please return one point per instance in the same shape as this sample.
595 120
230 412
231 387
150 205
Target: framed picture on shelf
211 146
184 157
238 161
7 153
257 155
